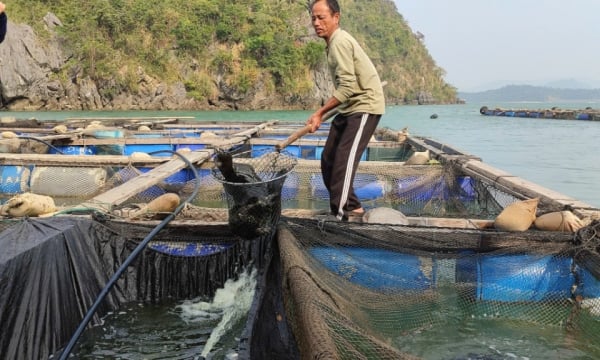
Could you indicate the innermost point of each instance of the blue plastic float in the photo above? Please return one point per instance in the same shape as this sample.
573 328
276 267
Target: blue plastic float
516 278
377 268
14 179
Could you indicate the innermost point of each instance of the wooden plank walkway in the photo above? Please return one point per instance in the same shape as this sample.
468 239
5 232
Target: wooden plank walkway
118 195
502 180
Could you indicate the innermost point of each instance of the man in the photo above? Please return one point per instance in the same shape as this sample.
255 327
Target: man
359 97
3 20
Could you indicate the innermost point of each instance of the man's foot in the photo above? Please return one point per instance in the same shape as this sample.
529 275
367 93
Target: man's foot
355 215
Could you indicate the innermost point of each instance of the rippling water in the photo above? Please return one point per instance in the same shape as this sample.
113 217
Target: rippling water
192 329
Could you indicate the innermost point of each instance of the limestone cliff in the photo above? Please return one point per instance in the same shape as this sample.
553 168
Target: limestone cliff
61 68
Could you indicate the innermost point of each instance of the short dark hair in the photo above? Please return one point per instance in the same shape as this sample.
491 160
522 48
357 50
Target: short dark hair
332 4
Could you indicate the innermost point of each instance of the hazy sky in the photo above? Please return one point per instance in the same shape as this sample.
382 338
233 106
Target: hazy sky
485 44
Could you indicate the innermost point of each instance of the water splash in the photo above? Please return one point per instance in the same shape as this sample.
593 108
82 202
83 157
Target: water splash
230 304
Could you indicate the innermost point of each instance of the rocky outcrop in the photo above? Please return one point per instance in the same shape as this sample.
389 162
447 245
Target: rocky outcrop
29 80
32 77
26 68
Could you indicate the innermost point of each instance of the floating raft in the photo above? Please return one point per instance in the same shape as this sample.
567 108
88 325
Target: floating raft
324 279
553 113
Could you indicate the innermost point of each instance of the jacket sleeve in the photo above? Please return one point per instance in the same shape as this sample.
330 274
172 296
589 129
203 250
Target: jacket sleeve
345 74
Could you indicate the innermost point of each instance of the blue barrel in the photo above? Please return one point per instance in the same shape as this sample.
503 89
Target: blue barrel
589 285
108 134
366 187
73 150
14 179
516 278
371 190
413 187
377 268
259 150
468 188
320 153
583 116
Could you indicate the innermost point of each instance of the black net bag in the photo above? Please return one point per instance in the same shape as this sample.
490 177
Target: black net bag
253 184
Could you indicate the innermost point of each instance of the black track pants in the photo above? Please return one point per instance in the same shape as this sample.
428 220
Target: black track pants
348 138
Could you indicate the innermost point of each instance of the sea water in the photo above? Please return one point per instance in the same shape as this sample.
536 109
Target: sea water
561 155
190 329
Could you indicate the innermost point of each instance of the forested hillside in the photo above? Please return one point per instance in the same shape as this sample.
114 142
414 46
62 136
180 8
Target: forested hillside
245 54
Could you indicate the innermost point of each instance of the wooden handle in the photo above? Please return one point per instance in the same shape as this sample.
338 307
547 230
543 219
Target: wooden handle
295 136
303 131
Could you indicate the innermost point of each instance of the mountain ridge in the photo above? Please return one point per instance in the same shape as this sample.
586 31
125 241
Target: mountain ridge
512 93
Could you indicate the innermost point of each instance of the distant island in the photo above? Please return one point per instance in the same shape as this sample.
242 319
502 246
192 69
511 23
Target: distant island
525 93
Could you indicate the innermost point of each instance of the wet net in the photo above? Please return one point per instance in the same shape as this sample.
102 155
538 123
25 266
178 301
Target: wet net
360 291
439 190
255 204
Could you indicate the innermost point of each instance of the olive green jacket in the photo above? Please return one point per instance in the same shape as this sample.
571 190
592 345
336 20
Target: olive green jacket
357 84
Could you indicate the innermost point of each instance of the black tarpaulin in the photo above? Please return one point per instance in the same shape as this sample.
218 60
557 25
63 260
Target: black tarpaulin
50 274
52 270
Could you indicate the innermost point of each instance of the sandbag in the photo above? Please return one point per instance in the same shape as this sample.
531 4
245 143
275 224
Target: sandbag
517 216
418 158
8 135
166 203
564 221
60 129
10 146
138 155
28 204
384 215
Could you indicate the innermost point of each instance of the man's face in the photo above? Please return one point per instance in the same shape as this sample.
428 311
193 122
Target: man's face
323 21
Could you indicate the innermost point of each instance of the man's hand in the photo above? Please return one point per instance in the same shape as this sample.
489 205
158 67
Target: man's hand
314 121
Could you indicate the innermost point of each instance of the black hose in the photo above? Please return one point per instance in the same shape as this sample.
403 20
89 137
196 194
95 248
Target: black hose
43 142
134 254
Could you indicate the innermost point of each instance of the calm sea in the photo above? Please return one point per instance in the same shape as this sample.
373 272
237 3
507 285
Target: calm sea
562 155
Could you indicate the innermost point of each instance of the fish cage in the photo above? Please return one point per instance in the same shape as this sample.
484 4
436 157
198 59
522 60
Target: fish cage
396 292
53 269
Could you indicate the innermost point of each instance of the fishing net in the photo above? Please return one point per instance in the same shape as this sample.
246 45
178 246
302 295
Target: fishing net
361 291
254 206
439 190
